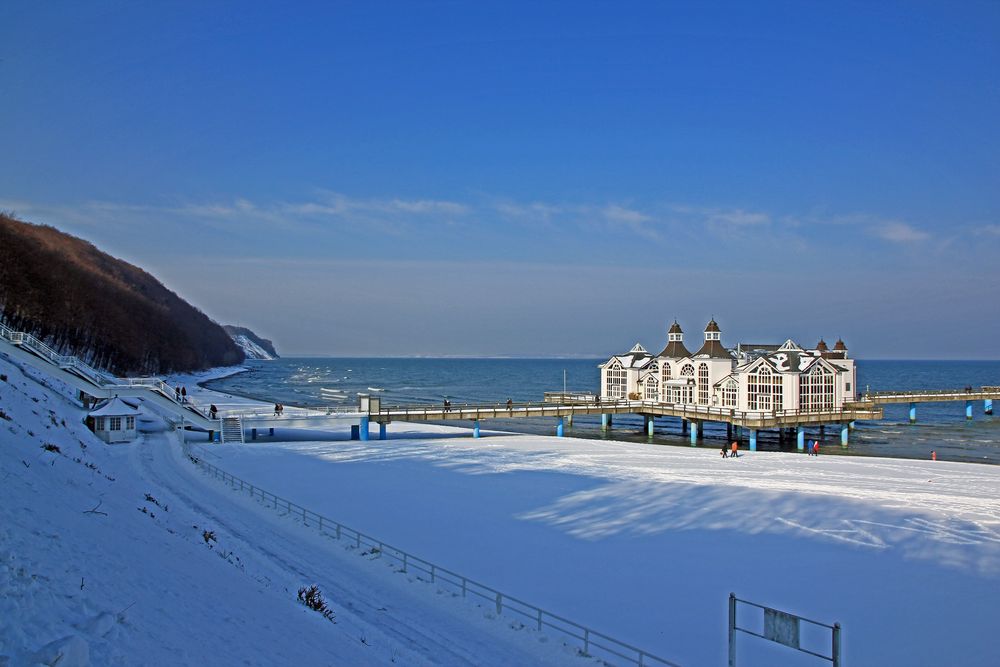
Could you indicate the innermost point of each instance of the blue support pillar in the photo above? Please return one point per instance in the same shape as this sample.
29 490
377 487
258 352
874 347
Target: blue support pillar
968 409
843 434
475 428
560 427
800 438
988 406
605 421
363 428
381 431
695 427
851 425
913 413
753 440
649 425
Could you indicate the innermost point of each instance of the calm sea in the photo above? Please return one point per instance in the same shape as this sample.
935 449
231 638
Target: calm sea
940 426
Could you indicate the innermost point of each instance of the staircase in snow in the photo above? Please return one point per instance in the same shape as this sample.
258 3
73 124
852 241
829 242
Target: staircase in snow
232 429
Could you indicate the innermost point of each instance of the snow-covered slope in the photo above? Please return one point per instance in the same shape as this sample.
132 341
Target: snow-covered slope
252 349
128 555
253 345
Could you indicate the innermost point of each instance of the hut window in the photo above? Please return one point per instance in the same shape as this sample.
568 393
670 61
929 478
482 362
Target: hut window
99 424
116 423
130 423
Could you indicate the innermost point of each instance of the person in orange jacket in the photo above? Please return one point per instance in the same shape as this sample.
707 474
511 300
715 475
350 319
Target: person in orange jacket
735 450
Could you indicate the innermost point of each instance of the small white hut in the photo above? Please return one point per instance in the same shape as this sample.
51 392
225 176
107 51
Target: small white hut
115 421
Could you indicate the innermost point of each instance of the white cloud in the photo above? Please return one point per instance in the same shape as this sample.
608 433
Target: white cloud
900 232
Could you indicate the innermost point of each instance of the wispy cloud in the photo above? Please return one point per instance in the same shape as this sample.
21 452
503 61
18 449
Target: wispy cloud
899 232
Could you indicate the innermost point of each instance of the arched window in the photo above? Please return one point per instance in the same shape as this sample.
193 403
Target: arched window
687 370
615 381
759 384
816 389
652 388
703 383
730 393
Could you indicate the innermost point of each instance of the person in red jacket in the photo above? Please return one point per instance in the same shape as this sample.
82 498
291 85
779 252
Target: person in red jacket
735 450
815 447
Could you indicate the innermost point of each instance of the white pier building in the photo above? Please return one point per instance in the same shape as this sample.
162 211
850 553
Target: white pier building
747 378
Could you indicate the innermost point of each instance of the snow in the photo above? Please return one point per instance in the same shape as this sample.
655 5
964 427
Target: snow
641 542
251 349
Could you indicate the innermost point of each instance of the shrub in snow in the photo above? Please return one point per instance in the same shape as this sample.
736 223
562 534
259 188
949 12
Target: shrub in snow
49 447
208 536
4 415
312 598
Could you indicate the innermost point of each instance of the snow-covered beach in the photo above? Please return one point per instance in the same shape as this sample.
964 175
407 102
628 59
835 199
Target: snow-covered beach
644 543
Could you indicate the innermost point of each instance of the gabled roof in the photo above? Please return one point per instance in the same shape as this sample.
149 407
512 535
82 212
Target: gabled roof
116 407
789 345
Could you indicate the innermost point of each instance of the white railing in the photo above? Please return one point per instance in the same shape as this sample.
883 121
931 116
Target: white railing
591 642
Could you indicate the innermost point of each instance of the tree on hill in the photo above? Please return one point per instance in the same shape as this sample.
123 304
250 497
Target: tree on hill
81 300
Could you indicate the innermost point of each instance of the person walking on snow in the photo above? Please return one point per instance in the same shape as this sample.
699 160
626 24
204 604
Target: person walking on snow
815 447
735 450
184 394
724 453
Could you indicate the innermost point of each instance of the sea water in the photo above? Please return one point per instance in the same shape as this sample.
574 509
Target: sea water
941 427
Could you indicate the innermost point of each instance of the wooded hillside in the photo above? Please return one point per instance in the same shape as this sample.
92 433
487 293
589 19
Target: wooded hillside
115 315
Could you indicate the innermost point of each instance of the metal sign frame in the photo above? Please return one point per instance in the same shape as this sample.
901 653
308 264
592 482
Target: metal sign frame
783 628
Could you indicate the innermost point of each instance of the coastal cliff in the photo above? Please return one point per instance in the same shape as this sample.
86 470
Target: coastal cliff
83 301
253 346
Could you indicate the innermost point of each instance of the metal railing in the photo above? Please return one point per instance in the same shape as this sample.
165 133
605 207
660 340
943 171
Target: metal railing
591 642
684 410
916 393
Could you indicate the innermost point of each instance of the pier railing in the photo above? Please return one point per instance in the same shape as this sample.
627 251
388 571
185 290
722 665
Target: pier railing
587 404
591 642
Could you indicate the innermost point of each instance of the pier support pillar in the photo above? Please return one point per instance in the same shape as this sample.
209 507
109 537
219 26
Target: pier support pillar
363 429
851 425
988 406
270 431
844 428
211 436
913 413
381 431
649 425
822 431
569 420
560 427
684 427
475 428
968 409
605 421
800 438
729 432
253 434
753 440
781 436
695 428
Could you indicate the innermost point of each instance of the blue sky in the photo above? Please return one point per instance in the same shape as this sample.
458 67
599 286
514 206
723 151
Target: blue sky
526 178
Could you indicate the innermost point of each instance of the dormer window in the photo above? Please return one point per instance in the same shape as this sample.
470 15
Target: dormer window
712 335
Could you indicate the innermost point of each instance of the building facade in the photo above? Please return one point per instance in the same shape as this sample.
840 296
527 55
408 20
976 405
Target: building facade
748 378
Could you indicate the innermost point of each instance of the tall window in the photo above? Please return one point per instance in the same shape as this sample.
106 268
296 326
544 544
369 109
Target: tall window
116 423
730 393
764 391
666 376
703 383
816 389
686 393
130 423
616 382
652 388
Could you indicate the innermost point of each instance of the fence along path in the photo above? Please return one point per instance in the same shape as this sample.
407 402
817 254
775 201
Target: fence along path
591 642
